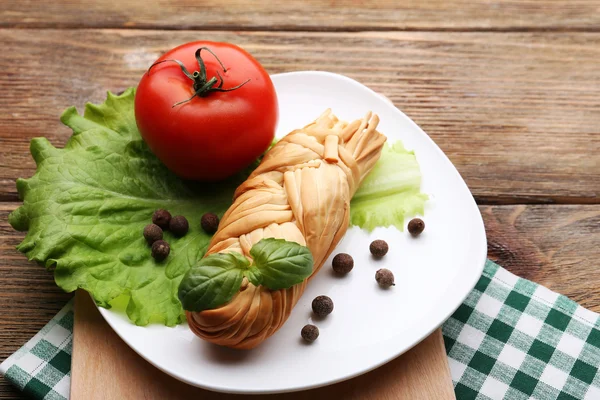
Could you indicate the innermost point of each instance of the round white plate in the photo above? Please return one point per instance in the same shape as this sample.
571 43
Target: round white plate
368 326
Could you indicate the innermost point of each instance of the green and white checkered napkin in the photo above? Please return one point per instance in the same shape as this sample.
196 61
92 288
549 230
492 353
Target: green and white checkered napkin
510 339
42 368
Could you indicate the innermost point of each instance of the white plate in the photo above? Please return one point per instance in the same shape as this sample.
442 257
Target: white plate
369 326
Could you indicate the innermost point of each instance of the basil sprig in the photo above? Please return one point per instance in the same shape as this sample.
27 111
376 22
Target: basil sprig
278 264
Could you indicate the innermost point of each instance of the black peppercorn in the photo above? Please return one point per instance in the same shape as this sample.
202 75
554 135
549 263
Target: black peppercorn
160 250
379 248
322 306
209 222
385 278
162 218
310 333
342 263
179 225
152 233
416 226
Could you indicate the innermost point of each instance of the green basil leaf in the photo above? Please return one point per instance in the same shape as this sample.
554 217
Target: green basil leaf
254 276
213 282
281 264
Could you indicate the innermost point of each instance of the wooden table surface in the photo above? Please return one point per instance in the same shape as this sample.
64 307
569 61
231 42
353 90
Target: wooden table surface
510 90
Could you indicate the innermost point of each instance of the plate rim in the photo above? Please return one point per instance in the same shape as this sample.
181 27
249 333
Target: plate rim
107 313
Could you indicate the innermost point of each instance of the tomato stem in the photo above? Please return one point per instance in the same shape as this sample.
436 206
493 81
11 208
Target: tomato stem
202 87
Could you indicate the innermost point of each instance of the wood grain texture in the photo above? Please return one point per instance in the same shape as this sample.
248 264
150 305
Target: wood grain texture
29 298
305 15
104 367
517 113
554 246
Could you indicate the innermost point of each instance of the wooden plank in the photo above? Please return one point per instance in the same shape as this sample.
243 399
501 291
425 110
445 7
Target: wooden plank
517 113
105 367
555 246
302 15
29 298
9 392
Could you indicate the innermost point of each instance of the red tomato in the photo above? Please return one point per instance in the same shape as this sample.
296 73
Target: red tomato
216 133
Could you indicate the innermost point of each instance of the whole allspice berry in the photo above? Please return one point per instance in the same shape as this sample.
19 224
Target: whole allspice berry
310 333
379 248
162 218
160 250
209 222
416 226
385 278
342 263
152 233
179 225
322 305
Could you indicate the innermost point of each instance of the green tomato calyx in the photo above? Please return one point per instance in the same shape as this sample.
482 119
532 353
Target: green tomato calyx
202 86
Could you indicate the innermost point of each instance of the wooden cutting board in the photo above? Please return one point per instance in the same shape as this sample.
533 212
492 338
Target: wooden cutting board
104 368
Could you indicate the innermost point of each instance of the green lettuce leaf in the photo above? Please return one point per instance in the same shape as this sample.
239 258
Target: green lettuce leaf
86 207
391 191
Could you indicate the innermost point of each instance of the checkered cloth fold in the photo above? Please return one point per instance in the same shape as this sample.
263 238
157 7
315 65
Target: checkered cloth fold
514 339
42 367
511 339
